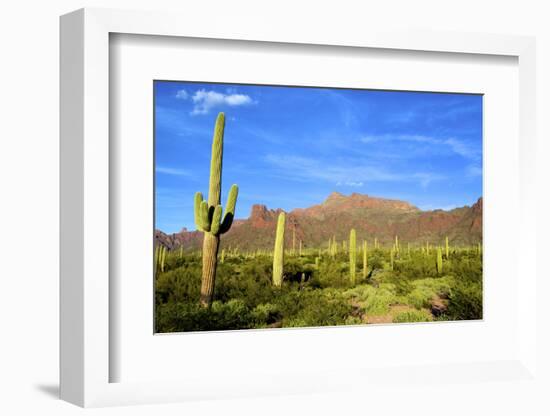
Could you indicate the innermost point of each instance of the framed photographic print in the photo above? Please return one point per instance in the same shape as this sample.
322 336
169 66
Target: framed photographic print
279 213
299 242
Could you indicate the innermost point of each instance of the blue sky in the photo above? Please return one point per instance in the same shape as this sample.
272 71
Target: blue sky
290 147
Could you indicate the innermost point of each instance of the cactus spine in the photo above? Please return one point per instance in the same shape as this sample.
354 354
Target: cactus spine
279 251
352 254
208 214
439 261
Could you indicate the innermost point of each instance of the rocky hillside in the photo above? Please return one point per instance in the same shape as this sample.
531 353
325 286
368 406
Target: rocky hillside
370 216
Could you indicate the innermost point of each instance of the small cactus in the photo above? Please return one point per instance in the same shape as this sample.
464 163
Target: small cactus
365 259
162 258
352 255
294 241
439 261
278 252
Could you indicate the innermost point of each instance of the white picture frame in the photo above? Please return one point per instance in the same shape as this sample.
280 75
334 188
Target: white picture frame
85 352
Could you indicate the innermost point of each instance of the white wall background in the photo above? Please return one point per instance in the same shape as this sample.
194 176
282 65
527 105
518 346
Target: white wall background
29 56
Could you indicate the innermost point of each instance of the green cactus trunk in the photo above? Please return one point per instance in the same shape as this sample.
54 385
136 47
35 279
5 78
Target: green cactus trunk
162 258
365 259
317 263
447 248
157 259
279 251
352 255
439 261
208 215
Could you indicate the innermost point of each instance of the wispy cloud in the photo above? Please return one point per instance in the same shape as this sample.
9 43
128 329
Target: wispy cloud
171 171
204 101
350 184
455 146
343 172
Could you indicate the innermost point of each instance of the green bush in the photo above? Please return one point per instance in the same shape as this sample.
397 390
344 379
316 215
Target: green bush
412 316
465 301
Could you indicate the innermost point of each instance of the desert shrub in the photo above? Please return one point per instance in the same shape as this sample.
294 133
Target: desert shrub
373 301
179 285
333 274
314 308
465 301
353 320
412 316
265 314
425 290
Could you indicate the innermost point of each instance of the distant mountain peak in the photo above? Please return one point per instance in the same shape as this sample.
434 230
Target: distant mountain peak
335 196
337 214
337 200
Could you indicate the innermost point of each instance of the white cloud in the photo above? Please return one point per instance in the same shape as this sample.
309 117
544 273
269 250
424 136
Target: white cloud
171 171
204 100
182 95
349 183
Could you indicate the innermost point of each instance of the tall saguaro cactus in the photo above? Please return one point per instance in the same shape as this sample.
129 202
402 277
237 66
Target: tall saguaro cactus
279 251
447 248
352 254
208 214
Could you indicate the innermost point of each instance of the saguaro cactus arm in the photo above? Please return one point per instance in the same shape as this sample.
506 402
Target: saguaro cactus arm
229 209
216 220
